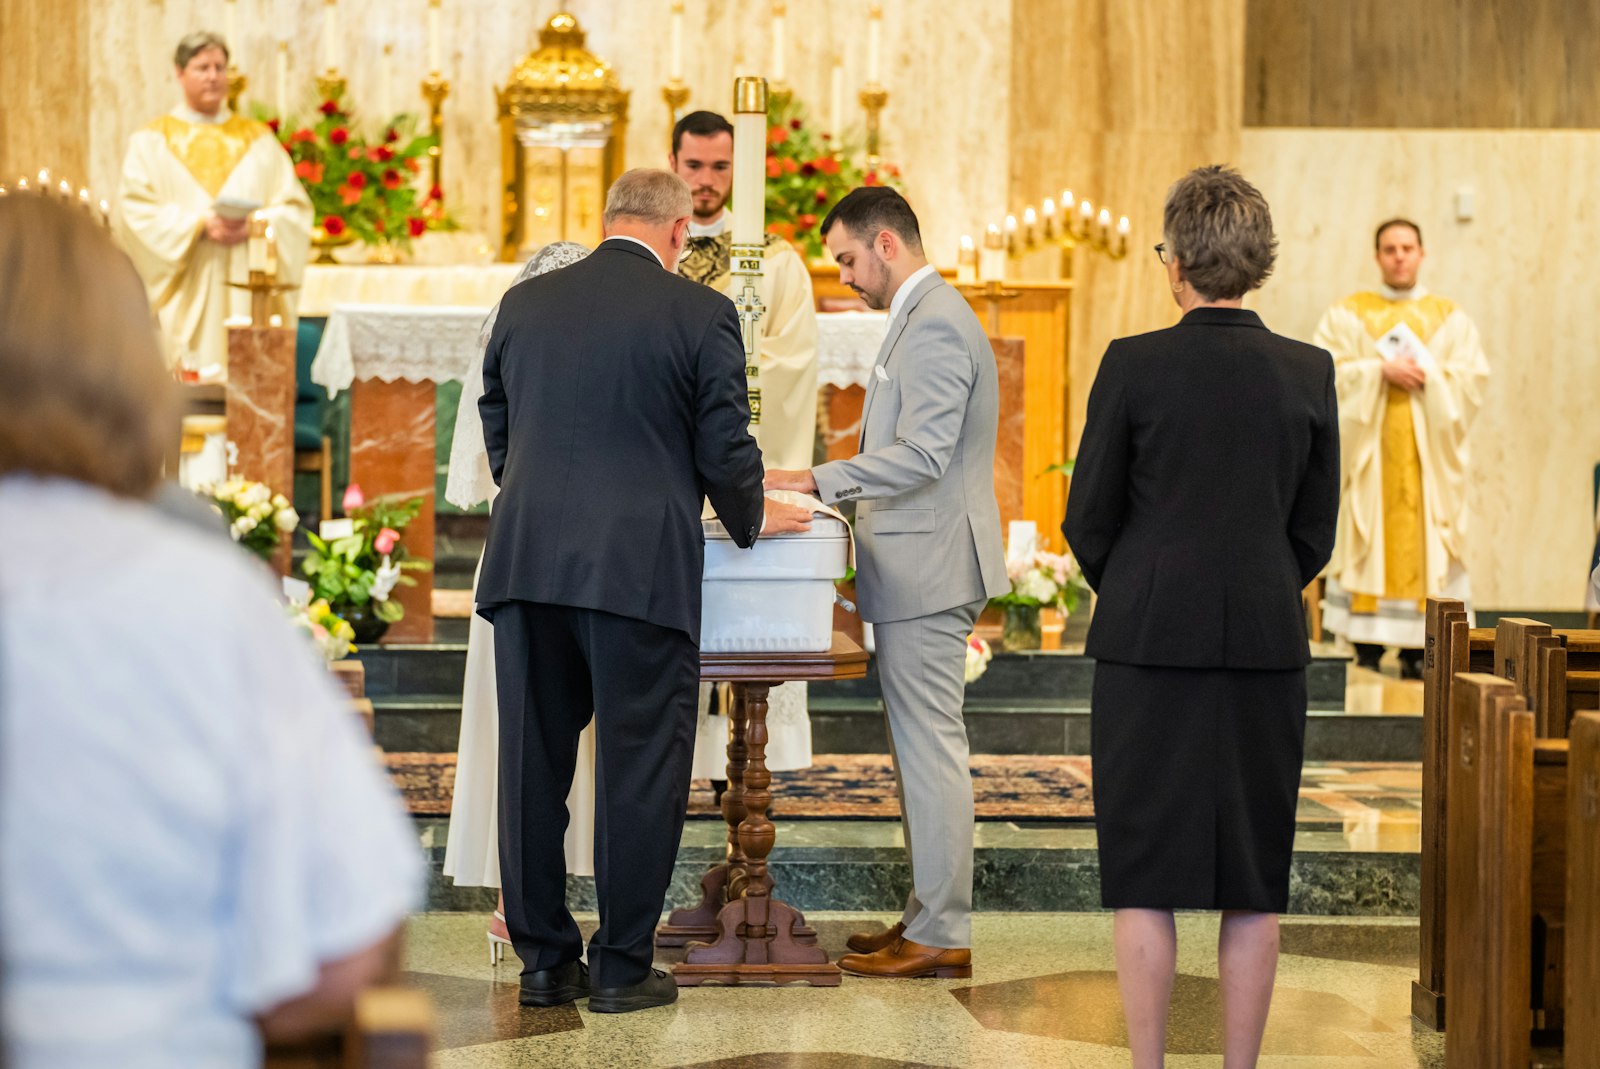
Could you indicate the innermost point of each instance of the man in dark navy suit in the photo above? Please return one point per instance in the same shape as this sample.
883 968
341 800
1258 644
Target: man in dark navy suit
614 404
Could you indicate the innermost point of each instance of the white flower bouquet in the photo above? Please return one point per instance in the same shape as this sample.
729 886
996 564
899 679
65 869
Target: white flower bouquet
257 518
1040 579
978 657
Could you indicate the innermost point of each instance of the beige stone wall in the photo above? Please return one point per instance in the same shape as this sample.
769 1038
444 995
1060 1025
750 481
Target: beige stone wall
1524 269
947 76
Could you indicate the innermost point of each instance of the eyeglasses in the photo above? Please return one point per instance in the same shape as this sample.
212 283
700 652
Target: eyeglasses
1161 252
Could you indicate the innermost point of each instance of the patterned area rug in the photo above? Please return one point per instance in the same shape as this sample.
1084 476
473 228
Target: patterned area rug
1372 802
836 787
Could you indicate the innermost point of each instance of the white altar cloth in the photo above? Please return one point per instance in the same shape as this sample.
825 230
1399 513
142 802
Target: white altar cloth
328 285
392 342
847 347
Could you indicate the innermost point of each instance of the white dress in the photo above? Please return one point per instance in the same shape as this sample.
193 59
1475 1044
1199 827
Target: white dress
472 843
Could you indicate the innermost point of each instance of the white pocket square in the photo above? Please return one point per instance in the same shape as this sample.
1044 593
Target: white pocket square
883 376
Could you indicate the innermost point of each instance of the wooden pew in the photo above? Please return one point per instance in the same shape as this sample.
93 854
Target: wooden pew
1490 854
1557 674
392 1028
1583 892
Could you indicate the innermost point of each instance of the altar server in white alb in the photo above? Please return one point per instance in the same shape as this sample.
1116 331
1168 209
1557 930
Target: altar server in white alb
187 184
702 155
1411 374
928 558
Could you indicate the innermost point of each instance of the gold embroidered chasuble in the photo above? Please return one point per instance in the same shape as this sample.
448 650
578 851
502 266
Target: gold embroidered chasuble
1404 457
788 358
175 169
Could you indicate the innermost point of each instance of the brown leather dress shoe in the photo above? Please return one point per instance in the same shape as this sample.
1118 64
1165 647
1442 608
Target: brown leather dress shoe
872 942
905 960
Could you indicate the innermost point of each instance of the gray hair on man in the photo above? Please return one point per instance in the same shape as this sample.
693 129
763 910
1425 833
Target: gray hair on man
1219 228
649 195
195 43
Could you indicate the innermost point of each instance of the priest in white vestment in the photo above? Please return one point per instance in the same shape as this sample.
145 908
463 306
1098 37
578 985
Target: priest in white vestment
187 183
702 155
1411 374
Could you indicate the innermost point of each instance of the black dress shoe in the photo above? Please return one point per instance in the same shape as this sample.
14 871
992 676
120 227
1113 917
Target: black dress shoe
1410 664
555 987
657 989
1368 655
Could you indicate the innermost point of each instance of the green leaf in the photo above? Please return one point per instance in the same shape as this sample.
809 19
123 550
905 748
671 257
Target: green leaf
390 611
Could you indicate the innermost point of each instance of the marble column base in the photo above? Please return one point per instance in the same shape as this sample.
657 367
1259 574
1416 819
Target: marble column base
259 403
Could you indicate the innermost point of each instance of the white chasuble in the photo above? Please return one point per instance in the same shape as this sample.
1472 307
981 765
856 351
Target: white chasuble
176 168
1404 464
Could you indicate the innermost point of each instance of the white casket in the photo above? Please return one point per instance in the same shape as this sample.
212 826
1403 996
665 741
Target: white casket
777 596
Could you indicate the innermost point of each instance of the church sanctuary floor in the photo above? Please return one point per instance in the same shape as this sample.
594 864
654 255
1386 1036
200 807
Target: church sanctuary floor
1043 994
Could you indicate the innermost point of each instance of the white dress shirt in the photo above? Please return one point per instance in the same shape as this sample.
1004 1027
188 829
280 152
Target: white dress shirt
903 294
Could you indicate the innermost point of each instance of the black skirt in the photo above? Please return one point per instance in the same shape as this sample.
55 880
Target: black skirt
1196 778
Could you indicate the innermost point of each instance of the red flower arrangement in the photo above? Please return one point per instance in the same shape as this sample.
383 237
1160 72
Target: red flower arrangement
807 174
363 187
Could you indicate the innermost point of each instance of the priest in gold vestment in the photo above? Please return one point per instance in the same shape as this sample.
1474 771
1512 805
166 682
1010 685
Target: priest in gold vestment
1411 373
177 171
702 155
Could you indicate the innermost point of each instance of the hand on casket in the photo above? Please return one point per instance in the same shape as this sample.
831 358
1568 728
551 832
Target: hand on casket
784 518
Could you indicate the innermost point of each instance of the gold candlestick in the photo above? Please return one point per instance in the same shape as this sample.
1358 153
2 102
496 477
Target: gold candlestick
331 84
780 94
236 85
434 89
676 94
873 99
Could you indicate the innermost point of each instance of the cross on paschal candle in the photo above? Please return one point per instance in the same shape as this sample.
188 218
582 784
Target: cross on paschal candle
747 256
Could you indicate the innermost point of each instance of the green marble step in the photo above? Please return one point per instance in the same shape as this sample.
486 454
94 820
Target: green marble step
856 865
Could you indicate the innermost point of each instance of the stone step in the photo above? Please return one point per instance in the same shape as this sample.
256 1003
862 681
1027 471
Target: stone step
1018 867
432 724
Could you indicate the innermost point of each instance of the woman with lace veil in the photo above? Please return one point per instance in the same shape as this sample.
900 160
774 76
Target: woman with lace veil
472 846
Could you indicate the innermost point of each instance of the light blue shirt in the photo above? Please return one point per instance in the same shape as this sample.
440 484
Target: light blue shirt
191 818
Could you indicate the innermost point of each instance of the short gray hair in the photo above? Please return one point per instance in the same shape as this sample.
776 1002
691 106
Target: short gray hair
650 196
1219 228
195 43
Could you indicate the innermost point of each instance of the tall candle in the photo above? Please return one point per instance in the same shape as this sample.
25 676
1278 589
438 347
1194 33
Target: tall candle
283 78
779 17
992 260
874 44
230 29
433 36
386 83
675 71
330 37
749 162
967 261
836 97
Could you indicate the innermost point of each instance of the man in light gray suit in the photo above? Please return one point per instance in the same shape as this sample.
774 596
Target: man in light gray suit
928 557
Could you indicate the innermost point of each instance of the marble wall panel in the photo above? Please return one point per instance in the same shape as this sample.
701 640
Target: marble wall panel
1011 475
1523 268
44 112
945 124
392 438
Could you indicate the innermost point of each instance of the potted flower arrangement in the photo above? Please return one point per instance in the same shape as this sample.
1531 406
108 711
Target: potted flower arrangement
363 188
257 518
332 636
356 572
808 172
978 657
1038 579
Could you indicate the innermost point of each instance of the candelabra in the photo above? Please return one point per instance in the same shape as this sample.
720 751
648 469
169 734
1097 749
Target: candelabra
331 84
676 94
48 187
236 87
874 98
434 89
1073 223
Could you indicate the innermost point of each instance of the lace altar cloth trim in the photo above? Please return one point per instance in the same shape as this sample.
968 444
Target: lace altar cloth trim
847 347
392 342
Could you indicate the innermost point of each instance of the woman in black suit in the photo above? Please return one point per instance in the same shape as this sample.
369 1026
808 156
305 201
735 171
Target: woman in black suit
1203 501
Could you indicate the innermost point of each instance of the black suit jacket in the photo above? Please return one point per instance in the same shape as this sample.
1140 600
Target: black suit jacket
614 402
1205 494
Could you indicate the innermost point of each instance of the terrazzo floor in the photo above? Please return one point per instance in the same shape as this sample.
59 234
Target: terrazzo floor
1043 994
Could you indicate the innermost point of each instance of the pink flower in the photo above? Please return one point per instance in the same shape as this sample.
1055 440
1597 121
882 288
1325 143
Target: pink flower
353 497
385 541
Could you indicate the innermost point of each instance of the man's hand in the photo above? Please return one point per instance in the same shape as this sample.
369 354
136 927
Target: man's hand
801 480
227 231
785 519
1405 373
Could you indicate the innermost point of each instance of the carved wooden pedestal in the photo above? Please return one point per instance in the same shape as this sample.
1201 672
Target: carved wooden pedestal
740 933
